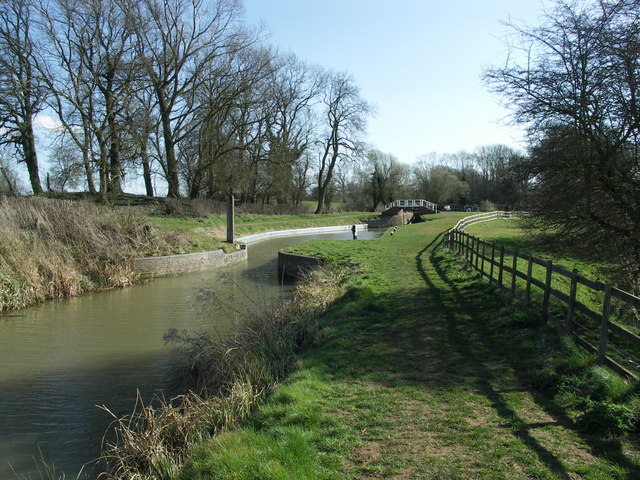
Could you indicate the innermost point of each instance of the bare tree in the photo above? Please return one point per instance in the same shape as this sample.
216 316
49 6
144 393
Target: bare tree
177 41
294 89
574 80
142 121
10 184
66 167
90 71
345 115
231 123
22 91
440 184
301 180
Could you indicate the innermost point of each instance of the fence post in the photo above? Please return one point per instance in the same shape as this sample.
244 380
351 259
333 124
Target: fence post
573 290
493 257
466 247
230 219
473 243
501 269
547 291
604 326
527 295
514 267
477 253
484 244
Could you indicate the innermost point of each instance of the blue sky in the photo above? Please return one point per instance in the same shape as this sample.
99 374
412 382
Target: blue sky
419 61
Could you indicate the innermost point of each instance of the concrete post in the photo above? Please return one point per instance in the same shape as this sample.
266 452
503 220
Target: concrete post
230 219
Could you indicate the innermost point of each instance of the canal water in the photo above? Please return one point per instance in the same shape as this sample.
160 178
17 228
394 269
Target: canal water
62 359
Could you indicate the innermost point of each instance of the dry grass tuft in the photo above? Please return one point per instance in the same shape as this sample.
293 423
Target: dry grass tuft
55 248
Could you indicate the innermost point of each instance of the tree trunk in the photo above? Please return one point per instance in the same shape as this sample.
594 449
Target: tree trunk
322 191
115 168
323 183
31 158
104 174
196 184
170 151
9 181
146 173
88 171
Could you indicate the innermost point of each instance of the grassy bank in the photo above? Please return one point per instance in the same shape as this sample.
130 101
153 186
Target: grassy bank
55 248
514 235
232 375
423 371
209 233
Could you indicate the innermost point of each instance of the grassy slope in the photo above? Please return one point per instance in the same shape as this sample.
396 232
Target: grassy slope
210 233
414 376
512 235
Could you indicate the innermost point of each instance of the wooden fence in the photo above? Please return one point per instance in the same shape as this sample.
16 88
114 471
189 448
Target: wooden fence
559 293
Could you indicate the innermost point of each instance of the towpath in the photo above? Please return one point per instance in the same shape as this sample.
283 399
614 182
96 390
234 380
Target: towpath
419 375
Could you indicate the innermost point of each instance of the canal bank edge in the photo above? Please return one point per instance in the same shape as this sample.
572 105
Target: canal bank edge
293 266
247 239
151 267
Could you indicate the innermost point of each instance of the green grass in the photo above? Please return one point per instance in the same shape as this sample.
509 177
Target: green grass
512 235
210 233
421 370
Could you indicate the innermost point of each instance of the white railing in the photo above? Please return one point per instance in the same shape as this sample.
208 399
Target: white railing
483 217
412 204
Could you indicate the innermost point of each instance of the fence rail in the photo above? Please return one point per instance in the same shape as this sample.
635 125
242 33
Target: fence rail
557 292
483 217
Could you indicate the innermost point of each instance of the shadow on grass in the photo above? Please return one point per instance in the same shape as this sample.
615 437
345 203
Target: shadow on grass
468 303
465 338
442 340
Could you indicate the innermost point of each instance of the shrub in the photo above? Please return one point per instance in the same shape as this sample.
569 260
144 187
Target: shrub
609 418
193 208
488 206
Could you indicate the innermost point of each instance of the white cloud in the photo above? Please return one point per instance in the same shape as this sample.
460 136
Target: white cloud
47 122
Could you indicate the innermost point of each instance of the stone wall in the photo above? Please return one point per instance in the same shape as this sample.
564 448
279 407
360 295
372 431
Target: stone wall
386 221
150 267
291 265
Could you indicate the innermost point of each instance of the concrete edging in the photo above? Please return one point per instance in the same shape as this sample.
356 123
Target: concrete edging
151 267
299 231
292 265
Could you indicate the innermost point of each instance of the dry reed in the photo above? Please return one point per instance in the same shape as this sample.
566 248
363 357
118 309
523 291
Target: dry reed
54 248
231 374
